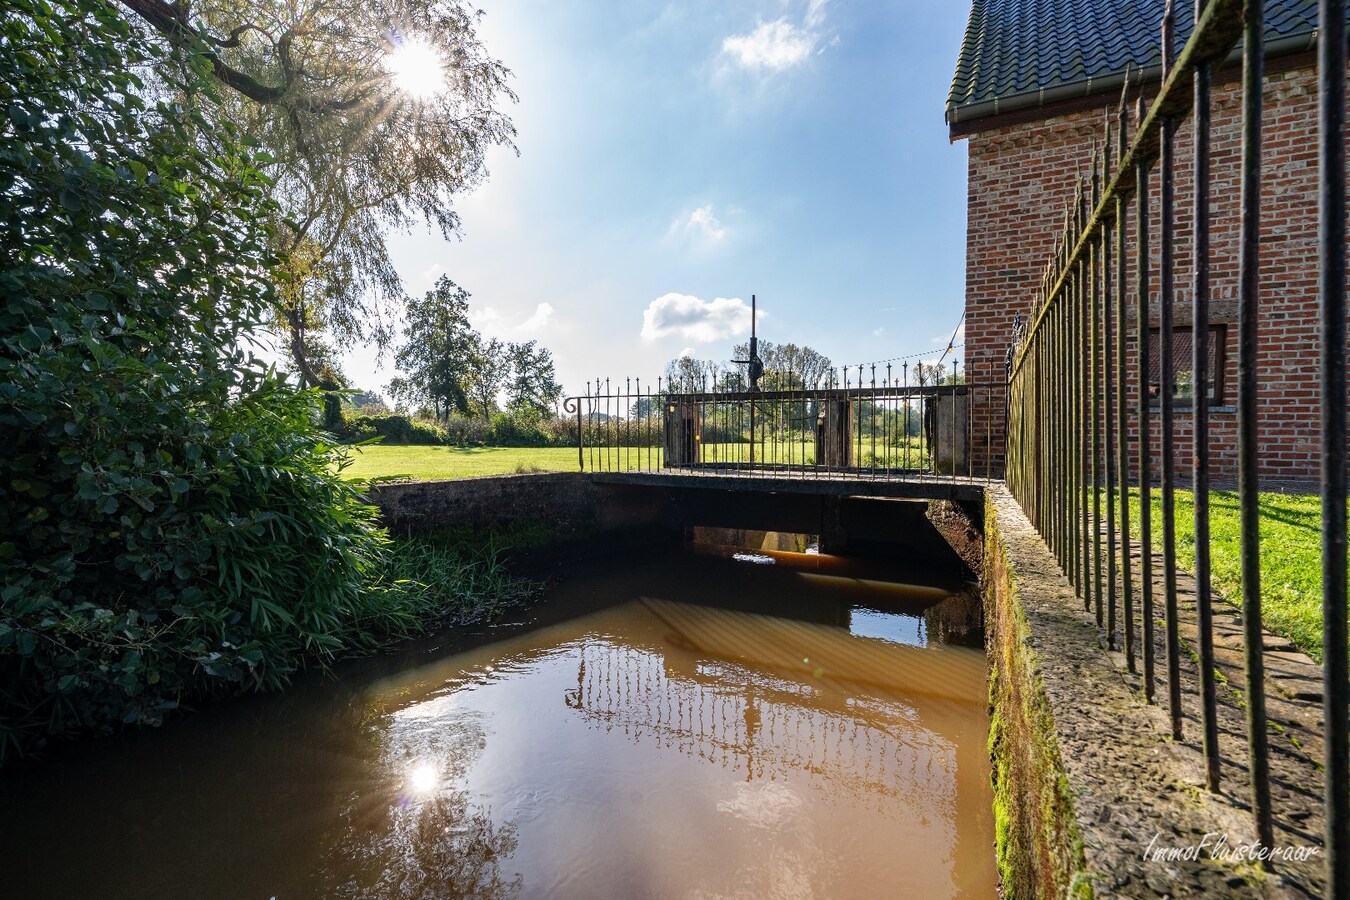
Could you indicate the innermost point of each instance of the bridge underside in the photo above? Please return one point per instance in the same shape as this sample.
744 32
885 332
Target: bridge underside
841 484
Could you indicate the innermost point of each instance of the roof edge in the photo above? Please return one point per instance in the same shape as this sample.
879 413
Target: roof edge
988 109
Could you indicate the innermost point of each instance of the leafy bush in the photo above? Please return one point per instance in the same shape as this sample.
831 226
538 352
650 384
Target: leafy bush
467 431
520 426
174 525
394 429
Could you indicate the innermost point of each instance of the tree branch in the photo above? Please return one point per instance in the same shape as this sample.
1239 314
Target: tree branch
171 21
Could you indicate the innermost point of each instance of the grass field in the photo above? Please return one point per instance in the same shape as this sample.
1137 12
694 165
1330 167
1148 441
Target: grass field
423 463
1291 557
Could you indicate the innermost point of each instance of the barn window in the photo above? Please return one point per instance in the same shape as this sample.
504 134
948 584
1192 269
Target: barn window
1183 387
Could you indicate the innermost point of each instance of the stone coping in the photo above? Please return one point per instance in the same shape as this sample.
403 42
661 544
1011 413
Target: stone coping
1131 789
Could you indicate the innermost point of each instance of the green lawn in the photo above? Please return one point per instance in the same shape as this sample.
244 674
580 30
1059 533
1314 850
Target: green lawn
423 463
1291 557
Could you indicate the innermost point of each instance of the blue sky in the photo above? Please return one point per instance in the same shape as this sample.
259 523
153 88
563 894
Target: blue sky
676 158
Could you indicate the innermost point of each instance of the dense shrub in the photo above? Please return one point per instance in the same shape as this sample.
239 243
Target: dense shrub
174 526
392 429
520 427
467 431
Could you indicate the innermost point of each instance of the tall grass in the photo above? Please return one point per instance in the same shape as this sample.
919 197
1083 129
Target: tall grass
426 583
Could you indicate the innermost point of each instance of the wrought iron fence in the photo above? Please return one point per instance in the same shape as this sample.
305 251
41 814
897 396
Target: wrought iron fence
1079 420
872 422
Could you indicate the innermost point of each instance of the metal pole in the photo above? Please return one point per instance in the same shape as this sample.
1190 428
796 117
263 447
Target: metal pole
1094 408
1126 588
1141 227
1249 511
1108 412
1331 292
1166 164
1200 419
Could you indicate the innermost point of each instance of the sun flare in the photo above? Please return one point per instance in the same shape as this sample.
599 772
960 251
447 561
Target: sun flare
423 779
417 69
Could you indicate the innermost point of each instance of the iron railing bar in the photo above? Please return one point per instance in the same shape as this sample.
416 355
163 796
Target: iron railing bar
1200 421
1331 294
1166 389
1247 421
1166 384
1123 464
1098 258
1142 276
1108 419
1068 442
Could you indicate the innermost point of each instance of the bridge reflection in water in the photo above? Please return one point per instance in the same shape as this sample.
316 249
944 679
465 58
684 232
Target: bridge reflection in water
774 717
672 749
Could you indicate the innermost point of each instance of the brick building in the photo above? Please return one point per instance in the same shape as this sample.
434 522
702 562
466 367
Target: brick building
1033 84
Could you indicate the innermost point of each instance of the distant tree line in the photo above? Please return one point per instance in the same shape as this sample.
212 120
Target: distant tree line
786 367
459 386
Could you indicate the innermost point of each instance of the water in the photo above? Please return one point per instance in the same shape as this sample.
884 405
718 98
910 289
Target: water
686 726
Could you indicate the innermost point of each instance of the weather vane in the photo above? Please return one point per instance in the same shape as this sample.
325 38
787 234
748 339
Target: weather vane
754 362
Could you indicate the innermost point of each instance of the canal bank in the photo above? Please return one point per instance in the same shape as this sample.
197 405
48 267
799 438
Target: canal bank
1092 795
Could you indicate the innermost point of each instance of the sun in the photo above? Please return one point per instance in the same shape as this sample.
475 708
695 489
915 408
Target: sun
417 69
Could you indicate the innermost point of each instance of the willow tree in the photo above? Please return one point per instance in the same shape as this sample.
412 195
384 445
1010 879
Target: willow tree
375 115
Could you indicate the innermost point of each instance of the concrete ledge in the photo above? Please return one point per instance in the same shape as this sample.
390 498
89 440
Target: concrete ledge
567 500
1086 779
571 503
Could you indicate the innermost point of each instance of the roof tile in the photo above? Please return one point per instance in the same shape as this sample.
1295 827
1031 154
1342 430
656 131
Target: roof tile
1021 46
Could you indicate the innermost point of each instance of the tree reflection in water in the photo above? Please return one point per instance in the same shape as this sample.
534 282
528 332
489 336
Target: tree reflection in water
419 838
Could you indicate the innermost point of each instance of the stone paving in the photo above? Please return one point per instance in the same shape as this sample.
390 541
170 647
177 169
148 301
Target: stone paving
1135 789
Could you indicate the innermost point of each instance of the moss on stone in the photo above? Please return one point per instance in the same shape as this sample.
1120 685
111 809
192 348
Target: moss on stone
1039 846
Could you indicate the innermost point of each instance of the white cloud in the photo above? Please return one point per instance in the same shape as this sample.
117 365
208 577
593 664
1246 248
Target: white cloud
772 46
488 319
492 323
958 340
815 13
700 227
781 44
704 222
431 274
539 319
695 320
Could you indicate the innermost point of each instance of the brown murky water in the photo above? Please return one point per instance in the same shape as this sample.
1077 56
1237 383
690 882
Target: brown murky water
781 725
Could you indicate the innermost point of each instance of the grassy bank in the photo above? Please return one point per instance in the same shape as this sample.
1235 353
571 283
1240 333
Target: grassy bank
444 579
423 463
1291 557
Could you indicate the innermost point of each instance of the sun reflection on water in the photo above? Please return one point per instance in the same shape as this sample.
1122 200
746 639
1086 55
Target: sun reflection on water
423 779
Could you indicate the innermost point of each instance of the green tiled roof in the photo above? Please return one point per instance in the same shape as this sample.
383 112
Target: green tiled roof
1016 48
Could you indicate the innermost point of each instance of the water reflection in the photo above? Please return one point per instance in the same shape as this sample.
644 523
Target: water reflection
416 833
679 742
738 737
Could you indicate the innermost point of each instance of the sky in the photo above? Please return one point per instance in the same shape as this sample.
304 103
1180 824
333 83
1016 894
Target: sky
676 158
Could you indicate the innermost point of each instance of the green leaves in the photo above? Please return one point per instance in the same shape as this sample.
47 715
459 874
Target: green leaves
174 527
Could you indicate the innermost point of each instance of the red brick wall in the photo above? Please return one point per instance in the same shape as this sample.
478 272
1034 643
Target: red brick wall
1022 176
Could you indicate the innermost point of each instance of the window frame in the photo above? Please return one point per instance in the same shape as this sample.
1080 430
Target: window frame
1218 341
